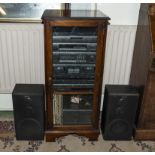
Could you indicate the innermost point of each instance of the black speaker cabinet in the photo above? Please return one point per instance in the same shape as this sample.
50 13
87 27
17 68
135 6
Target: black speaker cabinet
28 104
119 111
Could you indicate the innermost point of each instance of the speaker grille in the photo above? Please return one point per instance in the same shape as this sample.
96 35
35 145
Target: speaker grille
118 127
119 111
28 104
29 129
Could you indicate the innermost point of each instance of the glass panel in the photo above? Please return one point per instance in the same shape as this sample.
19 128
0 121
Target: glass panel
72 109
74 61
74 56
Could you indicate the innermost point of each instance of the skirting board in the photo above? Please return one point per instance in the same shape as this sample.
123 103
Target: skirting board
6 102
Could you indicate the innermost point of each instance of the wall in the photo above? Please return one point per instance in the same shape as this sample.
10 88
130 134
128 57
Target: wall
83 6
120 13
6 102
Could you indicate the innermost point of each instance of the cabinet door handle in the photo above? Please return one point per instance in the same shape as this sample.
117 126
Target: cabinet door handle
153 64
49 79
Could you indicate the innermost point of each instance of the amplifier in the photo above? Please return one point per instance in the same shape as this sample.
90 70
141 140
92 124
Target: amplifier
74 46
75 39
74 57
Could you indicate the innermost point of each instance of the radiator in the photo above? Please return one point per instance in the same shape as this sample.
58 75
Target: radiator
118 55
22 55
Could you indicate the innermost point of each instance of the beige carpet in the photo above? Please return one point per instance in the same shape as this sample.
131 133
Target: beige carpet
72 143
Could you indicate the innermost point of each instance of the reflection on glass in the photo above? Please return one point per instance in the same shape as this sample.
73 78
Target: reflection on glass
74 62
25 10
72 109
2 11
74 57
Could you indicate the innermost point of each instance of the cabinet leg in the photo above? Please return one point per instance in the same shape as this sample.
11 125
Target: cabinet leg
51 139
93 138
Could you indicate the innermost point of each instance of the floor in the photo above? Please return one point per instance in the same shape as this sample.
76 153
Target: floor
73 143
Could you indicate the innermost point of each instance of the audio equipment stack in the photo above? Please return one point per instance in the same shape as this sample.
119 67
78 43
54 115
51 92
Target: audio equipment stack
74 59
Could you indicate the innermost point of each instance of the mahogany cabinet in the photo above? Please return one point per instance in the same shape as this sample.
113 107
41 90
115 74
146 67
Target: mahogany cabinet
74 62
143 72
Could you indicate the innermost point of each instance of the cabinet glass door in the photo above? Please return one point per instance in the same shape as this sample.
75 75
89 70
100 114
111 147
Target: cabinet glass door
72 109
74 61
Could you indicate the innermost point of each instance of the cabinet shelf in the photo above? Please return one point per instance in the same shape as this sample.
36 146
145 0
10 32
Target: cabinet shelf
73 92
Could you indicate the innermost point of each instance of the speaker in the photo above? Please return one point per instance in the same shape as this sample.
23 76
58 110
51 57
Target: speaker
119 112
28 105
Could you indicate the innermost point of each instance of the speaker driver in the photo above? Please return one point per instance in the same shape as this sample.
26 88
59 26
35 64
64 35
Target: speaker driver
29 129
118 127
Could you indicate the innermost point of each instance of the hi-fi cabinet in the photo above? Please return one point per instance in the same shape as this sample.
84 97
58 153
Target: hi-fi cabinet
74 62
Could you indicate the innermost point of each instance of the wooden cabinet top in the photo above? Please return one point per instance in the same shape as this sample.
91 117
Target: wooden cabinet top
73 14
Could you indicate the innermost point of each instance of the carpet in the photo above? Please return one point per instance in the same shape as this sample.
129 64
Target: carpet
70 143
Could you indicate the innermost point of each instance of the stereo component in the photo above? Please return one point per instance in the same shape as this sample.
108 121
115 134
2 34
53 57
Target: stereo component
74 56
28 105
78 71
74 39
70 85
119 112
74 47
74 31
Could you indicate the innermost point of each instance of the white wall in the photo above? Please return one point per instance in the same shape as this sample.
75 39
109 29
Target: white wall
83 6
6 102
121 13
